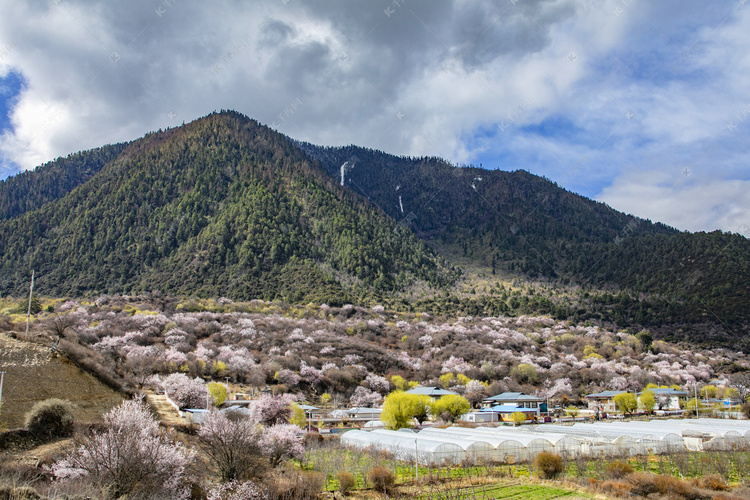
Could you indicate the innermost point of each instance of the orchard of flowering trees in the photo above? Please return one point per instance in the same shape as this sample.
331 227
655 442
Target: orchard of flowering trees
353 353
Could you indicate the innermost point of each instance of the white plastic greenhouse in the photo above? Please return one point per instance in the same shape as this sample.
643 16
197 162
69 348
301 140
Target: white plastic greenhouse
657 438
475 451
504 450
534 442
596 443
405 447
504 444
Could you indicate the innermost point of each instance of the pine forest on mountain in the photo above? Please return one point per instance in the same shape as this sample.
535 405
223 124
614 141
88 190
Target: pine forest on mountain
224 206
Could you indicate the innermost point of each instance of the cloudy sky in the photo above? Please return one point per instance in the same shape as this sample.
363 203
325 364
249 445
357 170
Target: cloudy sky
642 105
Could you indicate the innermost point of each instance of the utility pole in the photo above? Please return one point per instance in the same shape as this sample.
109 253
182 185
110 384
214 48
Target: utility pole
696 399
2 376
416 459
28 313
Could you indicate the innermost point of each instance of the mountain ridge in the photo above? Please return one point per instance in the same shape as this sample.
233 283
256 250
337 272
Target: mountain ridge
225 206
193 200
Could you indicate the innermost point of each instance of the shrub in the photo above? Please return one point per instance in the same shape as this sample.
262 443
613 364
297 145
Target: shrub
712 482
549 465
285 484
346 481
746 410
381 478
619 469
18 493
51 419
648 484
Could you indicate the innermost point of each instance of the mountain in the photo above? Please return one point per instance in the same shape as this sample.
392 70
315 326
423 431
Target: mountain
637 273
32 189
220 206
224 206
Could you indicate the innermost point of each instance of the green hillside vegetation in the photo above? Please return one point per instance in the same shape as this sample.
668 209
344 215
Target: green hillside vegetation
224 206
221 206
633 272
30 190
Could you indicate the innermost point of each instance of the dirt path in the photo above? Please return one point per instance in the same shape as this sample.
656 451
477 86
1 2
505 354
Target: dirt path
165 412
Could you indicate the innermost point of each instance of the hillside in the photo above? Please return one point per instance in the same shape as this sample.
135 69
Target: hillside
636 272
34 373
30 190
353 352
224 206
221 206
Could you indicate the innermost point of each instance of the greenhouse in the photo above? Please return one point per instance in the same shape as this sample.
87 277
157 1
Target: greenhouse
405 447
475 451
596 443
561 444
654 438
702 435
513 444
504 450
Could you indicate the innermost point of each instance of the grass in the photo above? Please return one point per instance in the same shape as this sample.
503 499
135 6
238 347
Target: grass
483 488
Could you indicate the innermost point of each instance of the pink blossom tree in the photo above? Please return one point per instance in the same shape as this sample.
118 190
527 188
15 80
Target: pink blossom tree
365 398
377 383
312 375
280 441
186 392
272 410
236 490
130 457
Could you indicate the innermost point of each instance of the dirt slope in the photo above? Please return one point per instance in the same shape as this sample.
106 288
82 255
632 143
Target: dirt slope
34 373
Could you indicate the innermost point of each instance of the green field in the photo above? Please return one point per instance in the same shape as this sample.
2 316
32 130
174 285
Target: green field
528 491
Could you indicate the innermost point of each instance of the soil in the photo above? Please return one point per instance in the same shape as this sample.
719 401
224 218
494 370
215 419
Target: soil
34 372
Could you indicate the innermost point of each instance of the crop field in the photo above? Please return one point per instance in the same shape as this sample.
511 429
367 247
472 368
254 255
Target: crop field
526 491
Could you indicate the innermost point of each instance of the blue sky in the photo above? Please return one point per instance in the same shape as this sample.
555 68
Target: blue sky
642 105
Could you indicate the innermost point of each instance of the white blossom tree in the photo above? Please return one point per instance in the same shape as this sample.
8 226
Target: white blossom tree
186 392
130 457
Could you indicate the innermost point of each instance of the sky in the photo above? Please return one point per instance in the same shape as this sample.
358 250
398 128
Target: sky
642 105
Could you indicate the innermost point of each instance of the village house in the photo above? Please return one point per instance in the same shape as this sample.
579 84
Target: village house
433 392
667 398
516 399
603 401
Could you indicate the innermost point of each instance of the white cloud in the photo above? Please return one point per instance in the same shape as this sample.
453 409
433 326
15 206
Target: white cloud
683 200
461 79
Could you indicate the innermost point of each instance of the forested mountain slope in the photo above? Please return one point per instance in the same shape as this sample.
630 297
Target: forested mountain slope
224 206
30 190
220 206
643 273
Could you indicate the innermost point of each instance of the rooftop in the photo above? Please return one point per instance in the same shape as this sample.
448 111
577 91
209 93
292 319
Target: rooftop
666 391
514 396
430 391
604 394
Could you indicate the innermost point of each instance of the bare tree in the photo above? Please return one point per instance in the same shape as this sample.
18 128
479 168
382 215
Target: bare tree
741 382
60 324
232 444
